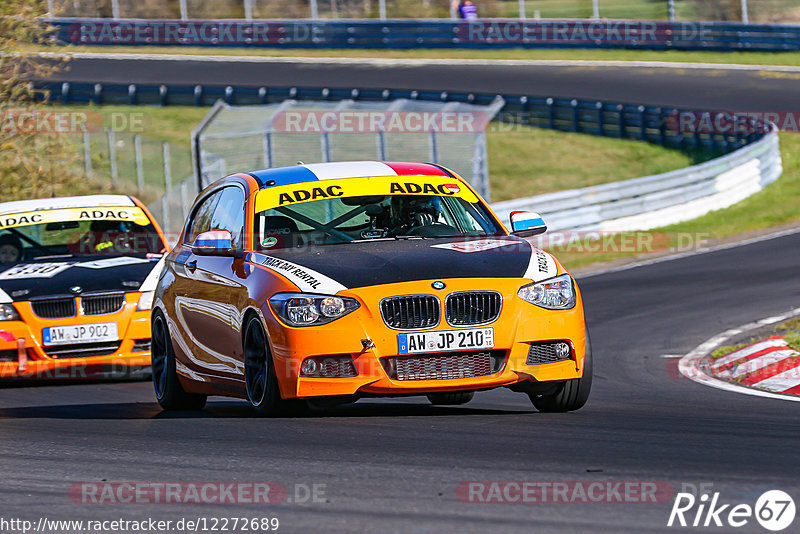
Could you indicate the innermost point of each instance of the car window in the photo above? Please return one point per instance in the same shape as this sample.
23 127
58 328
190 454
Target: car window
229 214
82 232
342 220
201 218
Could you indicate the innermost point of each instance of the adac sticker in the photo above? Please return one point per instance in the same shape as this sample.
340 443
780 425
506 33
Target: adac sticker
34 270
105 213
474 246
275 197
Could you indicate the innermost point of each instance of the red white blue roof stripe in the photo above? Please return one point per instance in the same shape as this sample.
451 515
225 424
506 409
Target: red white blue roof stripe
346 169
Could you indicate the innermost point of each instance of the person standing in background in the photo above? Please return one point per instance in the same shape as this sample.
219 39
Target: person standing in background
467 10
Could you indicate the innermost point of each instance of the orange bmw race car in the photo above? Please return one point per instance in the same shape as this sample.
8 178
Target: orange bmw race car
77 276
336 281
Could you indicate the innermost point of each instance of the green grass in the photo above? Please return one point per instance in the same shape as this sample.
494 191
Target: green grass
776 205
531 161
743 58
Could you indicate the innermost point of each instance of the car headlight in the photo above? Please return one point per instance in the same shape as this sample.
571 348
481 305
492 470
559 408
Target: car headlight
302 309
554 294
8 313
146 301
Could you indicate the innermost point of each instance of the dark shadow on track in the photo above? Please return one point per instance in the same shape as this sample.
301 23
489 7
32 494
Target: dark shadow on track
142 410
14 383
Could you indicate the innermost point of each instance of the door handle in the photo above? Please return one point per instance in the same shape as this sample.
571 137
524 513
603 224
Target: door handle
191 265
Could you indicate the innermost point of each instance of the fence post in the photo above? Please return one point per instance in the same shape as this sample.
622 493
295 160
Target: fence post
137 148
745 14
576 116
268 157
522 14
112 157
184 200
380 139
325 143
601 122
480 166
671 10
115 8
382 9
248 9
167 182
434 148
595 9
184 10
50 9
643 123
87 154
314 10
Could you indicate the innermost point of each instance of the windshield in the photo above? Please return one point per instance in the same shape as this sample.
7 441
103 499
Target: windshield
342 220
87 236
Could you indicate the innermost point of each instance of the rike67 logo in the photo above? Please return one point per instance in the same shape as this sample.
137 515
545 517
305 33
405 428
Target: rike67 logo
774 510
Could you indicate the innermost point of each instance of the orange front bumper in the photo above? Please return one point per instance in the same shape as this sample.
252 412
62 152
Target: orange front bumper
22 354
519 324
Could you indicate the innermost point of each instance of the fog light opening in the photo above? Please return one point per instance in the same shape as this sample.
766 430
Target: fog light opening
339 366
309 367
563 350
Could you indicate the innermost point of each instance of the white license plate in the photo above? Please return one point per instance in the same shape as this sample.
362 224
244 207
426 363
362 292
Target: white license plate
80 333
445 340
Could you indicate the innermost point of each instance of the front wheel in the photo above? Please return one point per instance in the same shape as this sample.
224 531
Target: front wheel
572 395
169 392
259 375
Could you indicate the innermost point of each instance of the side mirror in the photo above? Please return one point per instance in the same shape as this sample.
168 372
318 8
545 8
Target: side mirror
527 223
215 243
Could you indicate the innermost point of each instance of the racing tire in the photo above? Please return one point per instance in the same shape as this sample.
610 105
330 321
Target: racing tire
572 395
259 375
169 392
450 398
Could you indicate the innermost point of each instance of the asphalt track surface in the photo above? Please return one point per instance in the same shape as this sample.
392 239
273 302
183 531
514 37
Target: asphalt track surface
394 465
697 88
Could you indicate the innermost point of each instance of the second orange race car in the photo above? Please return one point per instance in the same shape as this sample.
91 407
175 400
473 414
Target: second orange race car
77 276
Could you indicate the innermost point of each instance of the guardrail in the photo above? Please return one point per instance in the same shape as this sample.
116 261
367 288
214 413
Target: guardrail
749 150
415 33
658 200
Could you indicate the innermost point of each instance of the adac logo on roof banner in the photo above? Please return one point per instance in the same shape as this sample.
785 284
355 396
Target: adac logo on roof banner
355 187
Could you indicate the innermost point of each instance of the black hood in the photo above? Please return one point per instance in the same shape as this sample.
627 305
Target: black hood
385 262
58 276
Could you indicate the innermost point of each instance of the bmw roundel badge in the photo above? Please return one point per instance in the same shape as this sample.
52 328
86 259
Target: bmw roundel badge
76 289
438 285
